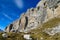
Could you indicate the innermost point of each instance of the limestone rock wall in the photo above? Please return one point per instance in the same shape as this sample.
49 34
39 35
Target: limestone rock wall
35 16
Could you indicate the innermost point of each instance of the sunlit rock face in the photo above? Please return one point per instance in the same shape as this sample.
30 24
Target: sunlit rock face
35 16
53 31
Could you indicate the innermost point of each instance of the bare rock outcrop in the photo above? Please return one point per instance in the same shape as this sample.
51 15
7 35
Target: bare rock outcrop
45 10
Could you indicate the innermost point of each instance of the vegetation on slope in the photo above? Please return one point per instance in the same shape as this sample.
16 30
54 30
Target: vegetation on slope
37 34
12 36
49 24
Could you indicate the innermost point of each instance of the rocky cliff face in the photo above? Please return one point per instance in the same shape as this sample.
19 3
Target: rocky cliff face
45 10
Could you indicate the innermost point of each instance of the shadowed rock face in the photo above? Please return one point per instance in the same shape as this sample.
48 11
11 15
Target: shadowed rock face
26 23
11 26
35 16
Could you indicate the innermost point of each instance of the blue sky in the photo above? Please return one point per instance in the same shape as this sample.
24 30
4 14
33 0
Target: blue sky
10 10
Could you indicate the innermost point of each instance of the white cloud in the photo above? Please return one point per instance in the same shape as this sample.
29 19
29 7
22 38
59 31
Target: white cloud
7 16
19 3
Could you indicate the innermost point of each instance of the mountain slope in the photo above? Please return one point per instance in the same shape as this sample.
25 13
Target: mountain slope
41 23
40 31
37 33
35 16
49 24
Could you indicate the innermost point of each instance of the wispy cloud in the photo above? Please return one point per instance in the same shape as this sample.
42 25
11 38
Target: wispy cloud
7 16
19 3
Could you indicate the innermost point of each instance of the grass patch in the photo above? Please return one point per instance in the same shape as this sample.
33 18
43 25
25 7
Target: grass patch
36 33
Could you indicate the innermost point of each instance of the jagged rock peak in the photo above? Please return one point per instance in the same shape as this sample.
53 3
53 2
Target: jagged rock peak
45 10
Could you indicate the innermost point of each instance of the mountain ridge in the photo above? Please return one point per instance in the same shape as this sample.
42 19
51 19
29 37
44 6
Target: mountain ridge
43 12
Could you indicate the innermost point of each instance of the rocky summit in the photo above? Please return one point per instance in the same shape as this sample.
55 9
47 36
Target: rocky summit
35 17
